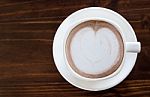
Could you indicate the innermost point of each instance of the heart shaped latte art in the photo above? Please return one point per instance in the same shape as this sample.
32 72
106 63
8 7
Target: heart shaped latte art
94 48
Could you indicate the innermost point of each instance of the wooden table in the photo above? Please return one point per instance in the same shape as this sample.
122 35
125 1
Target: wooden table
27 29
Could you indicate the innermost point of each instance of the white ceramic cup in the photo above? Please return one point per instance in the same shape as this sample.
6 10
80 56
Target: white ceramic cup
129 47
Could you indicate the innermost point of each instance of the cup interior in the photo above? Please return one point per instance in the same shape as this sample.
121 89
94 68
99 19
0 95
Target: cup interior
94 49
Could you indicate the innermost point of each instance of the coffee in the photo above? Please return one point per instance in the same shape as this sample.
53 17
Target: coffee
94 49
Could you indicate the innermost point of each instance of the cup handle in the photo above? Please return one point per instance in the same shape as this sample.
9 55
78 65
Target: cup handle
133 47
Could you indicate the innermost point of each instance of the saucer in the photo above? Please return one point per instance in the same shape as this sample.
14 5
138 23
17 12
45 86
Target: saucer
58 51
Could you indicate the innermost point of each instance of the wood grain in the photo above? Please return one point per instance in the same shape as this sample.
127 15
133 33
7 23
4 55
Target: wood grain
27 29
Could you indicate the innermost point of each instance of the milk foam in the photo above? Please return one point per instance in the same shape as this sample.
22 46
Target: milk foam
94 49
94 52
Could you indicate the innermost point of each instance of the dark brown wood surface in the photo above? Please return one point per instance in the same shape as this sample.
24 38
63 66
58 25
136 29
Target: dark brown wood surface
27 29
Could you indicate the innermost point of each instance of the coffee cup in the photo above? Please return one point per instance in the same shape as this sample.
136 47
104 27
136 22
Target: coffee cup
94 48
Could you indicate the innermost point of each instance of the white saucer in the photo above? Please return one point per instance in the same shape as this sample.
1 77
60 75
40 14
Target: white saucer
94 85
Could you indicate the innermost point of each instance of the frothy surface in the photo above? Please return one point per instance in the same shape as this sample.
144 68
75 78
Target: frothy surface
94 49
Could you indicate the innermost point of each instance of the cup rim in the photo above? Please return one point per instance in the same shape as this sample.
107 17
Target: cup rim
96 19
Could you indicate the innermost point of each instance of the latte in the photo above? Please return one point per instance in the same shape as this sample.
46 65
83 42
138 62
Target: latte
94 49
